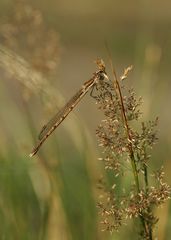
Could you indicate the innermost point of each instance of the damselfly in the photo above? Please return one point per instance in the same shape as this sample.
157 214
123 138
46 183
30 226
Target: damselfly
62 114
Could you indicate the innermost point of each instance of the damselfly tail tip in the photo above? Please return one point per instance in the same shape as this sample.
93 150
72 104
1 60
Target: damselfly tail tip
34 151
31 155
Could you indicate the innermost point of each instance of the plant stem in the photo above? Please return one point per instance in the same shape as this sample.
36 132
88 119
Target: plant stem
146 187
145 224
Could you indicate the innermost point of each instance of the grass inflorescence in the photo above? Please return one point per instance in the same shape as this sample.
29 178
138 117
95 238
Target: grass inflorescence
126 153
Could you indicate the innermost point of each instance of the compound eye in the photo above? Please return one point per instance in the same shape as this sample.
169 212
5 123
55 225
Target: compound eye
103 75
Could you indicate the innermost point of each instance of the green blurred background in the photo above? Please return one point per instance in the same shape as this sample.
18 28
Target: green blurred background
54 194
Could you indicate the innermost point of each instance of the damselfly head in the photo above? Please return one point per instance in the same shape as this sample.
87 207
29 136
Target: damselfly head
105 75
101 75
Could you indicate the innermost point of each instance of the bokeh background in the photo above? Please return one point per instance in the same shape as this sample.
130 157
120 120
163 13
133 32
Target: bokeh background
54 194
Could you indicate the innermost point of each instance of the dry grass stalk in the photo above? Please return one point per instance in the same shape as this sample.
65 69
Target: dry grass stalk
124 148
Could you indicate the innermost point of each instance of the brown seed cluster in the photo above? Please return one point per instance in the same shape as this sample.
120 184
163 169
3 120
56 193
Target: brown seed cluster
25 32
125 150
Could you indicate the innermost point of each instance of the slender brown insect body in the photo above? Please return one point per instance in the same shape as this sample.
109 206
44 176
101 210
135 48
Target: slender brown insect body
62 114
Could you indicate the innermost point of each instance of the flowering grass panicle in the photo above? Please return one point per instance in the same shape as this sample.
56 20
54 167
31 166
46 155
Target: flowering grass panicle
125 150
